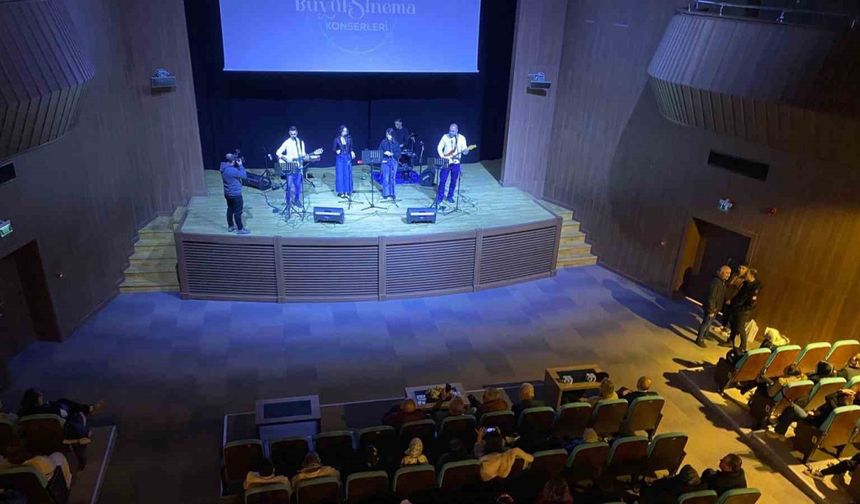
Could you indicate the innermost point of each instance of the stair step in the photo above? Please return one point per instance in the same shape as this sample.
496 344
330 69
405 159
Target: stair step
577 261
572 237
130 290
569 225
150 279
155 240
574 249
151 266
153 254
179 214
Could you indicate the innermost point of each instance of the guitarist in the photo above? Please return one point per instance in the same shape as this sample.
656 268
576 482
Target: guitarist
293 151
452 147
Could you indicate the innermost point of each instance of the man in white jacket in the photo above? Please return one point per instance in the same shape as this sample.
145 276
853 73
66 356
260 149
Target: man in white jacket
452 147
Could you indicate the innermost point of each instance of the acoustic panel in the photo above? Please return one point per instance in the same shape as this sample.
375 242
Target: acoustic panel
507 257
43 74
231 269
330 272
413 268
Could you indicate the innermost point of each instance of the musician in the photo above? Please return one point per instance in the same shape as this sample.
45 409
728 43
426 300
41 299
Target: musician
401 133
390 154
293 151
232 174
452 147
343 149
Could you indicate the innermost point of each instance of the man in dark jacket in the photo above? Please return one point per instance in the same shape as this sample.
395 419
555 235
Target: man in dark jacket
729 476
742 307
817 417
714 302
232 173
667 490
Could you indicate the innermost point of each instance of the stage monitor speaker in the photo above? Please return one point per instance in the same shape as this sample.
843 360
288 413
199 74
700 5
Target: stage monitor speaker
427 215
257 182
328 214
428 177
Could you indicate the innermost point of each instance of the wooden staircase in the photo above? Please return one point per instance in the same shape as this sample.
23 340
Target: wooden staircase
152 266
572 250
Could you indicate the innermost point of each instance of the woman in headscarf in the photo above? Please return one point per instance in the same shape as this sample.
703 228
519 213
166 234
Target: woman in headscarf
414 454
312 468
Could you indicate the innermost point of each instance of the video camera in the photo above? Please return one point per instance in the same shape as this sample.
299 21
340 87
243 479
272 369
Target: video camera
235 158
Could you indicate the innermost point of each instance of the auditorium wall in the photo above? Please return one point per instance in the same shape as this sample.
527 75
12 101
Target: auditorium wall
132 154
636 180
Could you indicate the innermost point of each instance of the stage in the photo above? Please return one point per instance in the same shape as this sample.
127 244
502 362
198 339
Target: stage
499 235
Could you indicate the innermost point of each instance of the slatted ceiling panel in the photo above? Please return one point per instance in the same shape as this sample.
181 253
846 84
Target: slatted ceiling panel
230 269
517 255
42 72
423 267
326 272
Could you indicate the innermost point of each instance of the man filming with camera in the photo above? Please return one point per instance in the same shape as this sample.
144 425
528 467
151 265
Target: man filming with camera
232 174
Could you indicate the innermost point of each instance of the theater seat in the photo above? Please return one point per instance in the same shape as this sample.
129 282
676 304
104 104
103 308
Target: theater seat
460 426
335 448
549 463
628 456
318 491
7 434
411 480
288 453
534 423
367 486
811 355
239 456
701 497
780 358
383 437
505 421
269 494
422 429
32 483
607 416
821 390
748 368
571 421
457 475
666 452
842 351
44 433
836 432
643 414
586 462
740 496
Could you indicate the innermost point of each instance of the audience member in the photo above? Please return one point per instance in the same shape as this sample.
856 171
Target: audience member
643 388
73 413
589 436
490 401
852 369
399 414
729 476
496 461
794 413
733 285
263 473
837 469
17 454
527 399
713 303
768 389
743 306
823 369
456 452
312 468
455 407
667 490
555 491
414 453
606 392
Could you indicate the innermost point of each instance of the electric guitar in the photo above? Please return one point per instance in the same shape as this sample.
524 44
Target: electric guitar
300 163
468 149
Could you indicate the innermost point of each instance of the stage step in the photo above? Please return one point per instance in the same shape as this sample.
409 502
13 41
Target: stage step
573 250
152 266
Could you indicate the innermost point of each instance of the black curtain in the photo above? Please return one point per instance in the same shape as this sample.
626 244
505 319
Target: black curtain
252 111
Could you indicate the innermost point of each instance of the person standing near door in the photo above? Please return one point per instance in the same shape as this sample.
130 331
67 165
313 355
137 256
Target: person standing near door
732 288
713 303
742 307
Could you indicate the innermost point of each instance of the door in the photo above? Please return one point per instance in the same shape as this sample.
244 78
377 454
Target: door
708 247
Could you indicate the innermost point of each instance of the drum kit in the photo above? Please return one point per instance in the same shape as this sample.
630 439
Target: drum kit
411 155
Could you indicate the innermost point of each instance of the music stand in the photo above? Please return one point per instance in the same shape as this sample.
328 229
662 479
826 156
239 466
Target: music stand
371 157
291 168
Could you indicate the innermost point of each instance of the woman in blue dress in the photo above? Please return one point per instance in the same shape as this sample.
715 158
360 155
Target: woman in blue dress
390 154
342 147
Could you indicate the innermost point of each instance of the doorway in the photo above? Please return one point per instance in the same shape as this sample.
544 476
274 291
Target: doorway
706 247
26 311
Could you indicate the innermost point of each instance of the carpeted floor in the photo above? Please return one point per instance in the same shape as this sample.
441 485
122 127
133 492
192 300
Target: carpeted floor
170 369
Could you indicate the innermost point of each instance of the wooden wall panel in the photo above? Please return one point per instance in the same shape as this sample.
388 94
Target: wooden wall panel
131 154
635 179
537 48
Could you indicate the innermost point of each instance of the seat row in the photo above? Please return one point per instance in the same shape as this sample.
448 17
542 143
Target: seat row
770 364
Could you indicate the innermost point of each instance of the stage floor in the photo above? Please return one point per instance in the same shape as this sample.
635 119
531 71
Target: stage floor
484 204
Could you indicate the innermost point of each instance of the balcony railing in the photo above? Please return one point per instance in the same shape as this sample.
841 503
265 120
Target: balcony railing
776 14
